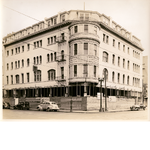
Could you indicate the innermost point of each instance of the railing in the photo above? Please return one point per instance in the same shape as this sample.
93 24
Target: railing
61 39
61 78
61 58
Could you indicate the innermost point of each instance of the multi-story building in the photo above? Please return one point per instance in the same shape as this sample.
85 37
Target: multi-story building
65 54
145 79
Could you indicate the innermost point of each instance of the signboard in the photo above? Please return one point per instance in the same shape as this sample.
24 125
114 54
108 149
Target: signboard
16 101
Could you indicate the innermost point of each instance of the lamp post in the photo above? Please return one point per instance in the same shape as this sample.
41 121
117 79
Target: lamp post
105 74
100 80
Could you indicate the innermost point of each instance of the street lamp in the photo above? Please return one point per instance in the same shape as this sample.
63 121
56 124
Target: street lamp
100 80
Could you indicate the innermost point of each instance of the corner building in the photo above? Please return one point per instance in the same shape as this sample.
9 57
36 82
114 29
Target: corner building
65 54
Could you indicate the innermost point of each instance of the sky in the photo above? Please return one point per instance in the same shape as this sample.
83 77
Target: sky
133 15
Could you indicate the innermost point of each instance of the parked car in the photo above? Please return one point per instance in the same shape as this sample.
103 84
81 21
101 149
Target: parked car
138 107
48 106
22 105
6 105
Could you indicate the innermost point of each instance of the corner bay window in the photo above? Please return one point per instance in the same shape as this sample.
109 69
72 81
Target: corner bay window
85 48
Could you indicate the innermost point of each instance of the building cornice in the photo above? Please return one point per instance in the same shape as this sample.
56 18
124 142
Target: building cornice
45 30
103 26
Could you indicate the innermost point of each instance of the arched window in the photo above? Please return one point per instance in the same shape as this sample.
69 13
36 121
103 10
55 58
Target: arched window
105 56
40 59
17 78
37 75
28 62
113 76
47 57
128 80
51 75
105 74
62 54
51 56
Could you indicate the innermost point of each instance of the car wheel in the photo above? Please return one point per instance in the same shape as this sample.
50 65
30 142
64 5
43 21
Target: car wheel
38 109
47 109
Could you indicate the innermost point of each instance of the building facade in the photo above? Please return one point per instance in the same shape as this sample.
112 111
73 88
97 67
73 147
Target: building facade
65 54
145 79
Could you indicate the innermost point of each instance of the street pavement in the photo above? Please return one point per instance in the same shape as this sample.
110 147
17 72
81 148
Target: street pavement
66 115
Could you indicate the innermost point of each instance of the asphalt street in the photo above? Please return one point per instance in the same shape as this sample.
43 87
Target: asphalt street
74 116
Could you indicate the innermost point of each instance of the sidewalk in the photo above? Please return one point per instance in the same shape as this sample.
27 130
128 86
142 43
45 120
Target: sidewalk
88 111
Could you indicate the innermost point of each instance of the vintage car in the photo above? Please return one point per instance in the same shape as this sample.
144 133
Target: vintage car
137 107
48 106
6 105
22 105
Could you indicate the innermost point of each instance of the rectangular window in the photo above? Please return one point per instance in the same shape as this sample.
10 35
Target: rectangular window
48 23
28 78
11 65
75 70
86 16
75 49
22 48
85 70
128 65
11 79
54 39
94 71
75 29
37 43
103 37
118 77
28 47
12 52
113 43
128 50
34 44
7 53
51 40
86 48
81 17
40 43
62 72
113 59
22 63
85 28
7 66
123 48
48 40
118 61
118 45
63 18
18 49
7 79
55 21
107 39
95 49
18 64
123 63
17 78
22 75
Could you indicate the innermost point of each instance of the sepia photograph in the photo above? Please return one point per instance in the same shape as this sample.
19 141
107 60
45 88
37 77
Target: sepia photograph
74 61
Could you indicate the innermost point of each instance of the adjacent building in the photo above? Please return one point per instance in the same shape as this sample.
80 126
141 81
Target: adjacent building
145 79
64 55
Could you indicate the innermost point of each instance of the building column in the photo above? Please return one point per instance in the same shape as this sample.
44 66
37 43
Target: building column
66 91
